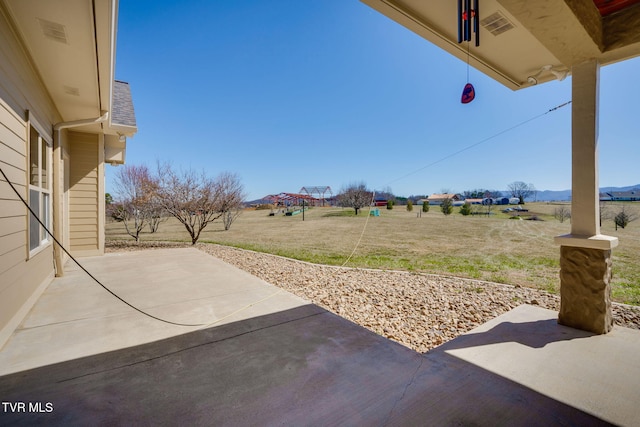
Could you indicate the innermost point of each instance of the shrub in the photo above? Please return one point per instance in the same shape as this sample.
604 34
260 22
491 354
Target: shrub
465 209
446 207
621 220
389 204
409 205
425 206
624 217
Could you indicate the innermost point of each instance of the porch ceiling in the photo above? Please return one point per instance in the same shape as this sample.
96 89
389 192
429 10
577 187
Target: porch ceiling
559 33
72 46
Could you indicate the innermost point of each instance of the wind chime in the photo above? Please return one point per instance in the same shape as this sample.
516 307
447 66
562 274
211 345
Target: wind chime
467 23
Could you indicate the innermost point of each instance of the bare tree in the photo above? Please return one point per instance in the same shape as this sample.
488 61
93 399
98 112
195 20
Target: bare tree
534 192
231 193
561 213
492 194
156 215
521 190
190 197
605 212
136 189
229 217
355 196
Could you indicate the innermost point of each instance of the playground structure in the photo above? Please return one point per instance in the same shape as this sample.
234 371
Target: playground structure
306 196
321 191
295 203
288 200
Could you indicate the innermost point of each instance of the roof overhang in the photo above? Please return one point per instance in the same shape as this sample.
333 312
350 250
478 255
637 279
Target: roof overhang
538 35
72 46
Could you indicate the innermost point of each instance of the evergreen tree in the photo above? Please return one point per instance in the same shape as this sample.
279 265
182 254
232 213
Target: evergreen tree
465 209
447 206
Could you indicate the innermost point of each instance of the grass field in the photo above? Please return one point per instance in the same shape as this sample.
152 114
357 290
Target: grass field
495 248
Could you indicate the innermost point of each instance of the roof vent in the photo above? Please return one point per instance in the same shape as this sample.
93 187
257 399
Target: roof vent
53 31
496 23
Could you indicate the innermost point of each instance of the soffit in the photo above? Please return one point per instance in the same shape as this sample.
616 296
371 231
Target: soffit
557 33
71 46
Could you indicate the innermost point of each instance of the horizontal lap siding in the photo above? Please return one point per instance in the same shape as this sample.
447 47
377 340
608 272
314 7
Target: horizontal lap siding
13 214
83 192
20 276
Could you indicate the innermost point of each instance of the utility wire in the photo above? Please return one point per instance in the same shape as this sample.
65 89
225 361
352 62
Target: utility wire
450 156
489 138
84 269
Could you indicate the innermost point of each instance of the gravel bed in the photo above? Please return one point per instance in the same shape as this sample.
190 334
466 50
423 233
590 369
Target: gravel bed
420 311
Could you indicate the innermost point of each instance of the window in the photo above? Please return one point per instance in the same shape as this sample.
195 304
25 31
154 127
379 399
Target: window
39 189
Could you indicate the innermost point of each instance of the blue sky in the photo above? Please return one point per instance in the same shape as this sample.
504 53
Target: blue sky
293 93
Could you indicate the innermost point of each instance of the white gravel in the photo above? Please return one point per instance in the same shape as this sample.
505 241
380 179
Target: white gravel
420 311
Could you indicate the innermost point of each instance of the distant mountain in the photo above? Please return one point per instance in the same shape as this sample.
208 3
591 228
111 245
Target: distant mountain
551 196
628 188
565 195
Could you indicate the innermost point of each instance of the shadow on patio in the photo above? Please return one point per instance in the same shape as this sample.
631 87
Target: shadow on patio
284 361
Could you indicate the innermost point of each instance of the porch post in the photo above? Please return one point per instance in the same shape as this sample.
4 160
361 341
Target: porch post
58 190
585 254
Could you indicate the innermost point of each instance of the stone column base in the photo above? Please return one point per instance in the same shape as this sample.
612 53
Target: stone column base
585 291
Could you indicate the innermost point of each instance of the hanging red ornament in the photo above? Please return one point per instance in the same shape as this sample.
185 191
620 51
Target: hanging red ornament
468 94
468 16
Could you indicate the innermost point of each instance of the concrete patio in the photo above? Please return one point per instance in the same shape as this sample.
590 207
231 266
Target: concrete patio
266 357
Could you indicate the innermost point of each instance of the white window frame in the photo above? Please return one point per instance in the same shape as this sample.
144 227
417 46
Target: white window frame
43 187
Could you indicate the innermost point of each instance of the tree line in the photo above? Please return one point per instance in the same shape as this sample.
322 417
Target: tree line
145 199
357 195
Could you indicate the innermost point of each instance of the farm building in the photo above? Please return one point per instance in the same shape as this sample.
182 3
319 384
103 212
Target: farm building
473 201
622 196
437 199
62 117
379 202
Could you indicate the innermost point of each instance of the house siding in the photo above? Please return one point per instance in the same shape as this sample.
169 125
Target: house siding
84 188
22 278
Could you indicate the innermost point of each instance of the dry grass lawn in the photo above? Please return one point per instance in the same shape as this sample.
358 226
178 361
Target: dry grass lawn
495 248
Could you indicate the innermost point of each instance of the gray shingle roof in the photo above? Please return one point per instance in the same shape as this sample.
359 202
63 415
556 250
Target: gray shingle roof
122 112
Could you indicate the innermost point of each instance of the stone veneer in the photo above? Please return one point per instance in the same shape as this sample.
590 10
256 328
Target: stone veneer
585 292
